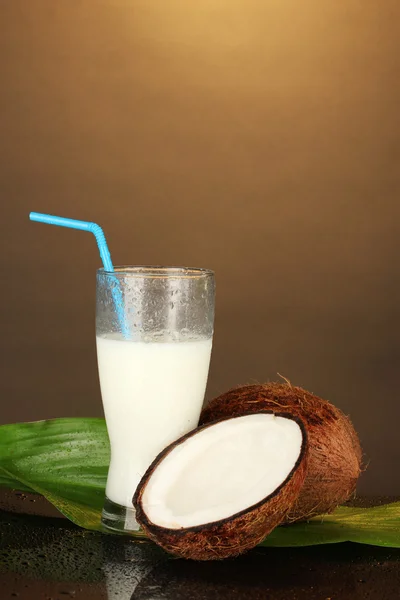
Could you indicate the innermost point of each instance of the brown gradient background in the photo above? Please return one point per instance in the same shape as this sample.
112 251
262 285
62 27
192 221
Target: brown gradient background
259 138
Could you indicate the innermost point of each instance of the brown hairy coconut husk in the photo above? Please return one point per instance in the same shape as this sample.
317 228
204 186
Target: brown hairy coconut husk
334 451
221 489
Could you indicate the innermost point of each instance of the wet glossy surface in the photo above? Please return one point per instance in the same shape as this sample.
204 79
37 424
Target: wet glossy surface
48 558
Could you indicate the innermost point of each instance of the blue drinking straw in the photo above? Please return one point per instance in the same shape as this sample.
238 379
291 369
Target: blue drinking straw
104 255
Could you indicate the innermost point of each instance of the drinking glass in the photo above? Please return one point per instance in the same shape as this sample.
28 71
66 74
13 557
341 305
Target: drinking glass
153 351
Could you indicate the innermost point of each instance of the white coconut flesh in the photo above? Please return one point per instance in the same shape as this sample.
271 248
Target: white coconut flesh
222 470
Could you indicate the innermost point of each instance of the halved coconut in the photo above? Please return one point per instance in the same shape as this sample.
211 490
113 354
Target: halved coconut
219 490
334 451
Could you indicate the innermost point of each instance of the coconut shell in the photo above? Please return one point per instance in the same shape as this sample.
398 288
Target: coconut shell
334 451
231 536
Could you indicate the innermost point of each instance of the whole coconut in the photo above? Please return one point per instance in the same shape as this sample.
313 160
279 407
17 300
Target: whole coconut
334 451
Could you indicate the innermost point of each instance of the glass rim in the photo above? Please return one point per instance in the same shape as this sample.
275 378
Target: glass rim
157 271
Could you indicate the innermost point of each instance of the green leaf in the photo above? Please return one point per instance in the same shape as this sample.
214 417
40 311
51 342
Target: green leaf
378 526
10 482
66 460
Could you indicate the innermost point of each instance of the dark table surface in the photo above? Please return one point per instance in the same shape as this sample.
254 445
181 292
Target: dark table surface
43 556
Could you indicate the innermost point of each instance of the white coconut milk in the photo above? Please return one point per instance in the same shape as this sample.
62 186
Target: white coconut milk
152 394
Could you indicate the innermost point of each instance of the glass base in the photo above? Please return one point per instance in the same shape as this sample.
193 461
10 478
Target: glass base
119 519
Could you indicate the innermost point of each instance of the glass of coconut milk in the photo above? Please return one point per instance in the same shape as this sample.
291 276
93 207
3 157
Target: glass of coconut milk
153 369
